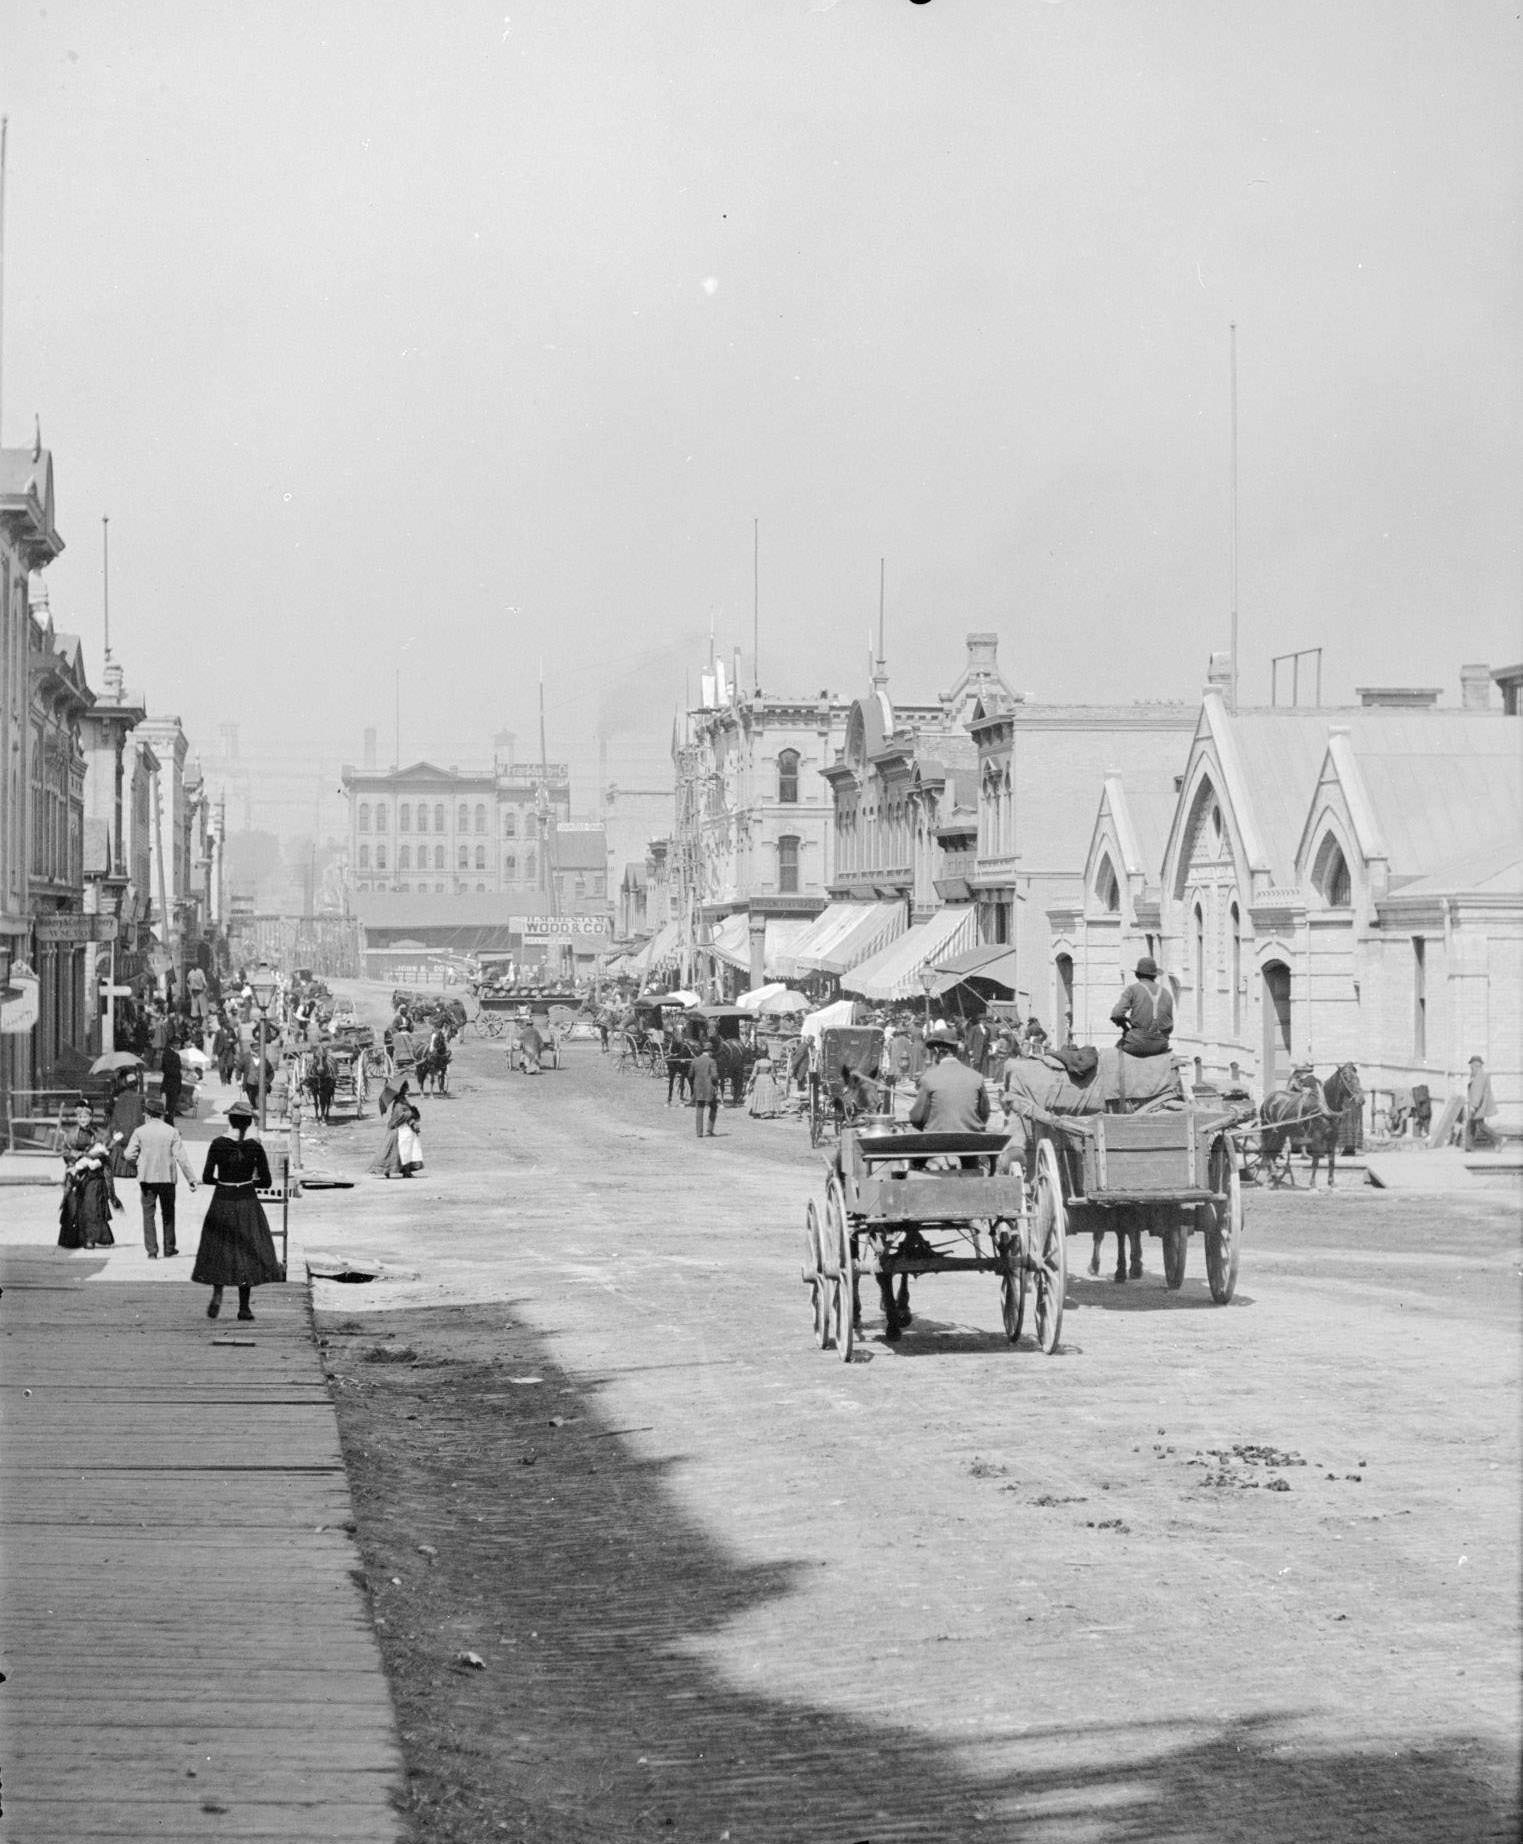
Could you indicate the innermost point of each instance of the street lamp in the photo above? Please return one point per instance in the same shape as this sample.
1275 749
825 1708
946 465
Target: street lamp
928 979
264 983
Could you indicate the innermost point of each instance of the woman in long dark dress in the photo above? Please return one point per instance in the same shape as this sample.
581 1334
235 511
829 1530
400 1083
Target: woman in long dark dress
400 1114
236 1249
89 1196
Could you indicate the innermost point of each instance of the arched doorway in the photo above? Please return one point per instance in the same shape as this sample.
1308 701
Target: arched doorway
1065 1017
1276 1063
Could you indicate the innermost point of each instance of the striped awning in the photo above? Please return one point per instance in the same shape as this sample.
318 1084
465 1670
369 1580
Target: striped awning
842 936
732 941
894 972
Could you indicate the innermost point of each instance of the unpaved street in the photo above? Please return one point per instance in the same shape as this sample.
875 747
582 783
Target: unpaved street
1205 1573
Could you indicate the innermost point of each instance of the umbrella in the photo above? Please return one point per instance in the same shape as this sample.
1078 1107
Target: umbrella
779 1003
114 1060
679 997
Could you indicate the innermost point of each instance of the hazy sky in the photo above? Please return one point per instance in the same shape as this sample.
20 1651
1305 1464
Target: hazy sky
443 338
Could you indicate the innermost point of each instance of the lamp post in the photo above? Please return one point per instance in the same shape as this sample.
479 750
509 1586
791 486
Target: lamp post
928 980
263 983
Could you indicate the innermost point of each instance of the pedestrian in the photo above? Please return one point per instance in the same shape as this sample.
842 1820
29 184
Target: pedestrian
765 1099
126 1118
195 987
236 1249
173 1073
703 1079
397 1106
1480 1105
531 1048
254 1060
679 1064
89 1196
225 1050
154 1153
404 1051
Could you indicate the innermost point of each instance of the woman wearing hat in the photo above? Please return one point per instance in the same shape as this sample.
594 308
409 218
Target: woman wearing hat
236 1249
89 1197
1145 1012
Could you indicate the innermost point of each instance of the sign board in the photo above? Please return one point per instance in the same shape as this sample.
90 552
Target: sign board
565 926
19 1007
75 928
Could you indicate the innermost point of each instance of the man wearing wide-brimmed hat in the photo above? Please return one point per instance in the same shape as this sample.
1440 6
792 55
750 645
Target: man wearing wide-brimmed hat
1145 1012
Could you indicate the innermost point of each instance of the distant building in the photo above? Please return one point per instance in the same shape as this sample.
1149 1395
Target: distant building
750 860
1319 885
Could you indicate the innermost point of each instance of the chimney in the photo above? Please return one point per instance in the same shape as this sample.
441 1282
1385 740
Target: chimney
1398 697
1475 688
1219 672
982 649
370 748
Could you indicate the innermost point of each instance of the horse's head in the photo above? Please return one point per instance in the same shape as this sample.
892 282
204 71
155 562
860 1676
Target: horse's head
1343 1089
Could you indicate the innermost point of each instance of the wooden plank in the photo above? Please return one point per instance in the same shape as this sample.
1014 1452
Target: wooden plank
948 1198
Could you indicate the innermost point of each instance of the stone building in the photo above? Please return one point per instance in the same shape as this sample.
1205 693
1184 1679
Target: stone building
750 855
1320 885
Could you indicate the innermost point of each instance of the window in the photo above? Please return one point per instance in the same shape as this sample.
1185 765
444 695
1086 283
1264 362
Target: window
510 865
364 816
480 887
788 776
481 857
1419 998
462 818
380 816
364 857
404 857
380 857
463 858
404 817
438 857
788 865
1235 967
481 817
422 817
438 816
510 824
1330 875
581 886
529 871
439 888
1200 968
1107 889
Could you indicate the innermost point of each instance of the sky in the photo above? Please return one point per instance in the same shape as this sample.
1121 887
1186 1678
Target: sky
432 347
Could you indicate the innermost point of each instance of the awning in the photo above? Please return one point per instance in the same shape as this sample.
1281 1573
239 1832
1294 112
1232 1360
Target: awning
894 972
662 946
994 961
841 936
732 941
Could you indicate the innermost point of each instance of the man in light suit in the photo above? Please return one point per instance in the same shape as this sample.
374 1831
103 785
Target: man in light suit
153 1153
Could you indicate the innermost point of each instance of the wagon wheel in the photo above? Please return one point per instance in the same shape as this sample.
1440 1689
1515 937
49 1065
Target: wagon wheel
1224 1224
821 1290
1176 1245
1014 1281
1049 1234
839 1265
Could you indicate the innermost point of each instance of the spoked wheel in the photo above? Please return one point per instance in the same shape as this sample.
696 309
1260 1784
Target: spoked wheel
1014 1282
1224 1226
836 1236
822 1291
1176 1245
1049 1251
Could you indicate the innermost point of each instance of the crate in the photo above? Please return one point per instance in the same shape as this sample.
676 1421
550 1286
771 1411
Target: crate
1145 1155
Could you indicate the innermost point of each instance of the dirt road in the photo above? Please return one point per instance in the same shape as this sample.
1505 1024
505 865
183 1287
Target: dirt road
1205 1573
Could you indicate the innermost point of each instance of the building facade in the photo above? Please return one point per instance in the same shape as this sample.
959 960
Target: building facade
1319 885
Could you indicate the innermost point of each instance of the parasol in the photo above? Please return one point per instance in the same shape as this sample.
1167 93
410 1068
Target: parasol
114 1060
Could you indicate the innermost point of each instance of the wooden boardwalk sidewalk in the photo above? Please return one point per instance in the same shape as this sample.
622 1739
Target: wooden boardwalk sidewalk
187 1648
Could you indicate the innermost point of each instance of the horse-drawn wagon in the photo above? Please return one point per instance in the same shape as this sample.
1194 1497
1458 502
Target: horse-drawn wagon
902 1203
843 1078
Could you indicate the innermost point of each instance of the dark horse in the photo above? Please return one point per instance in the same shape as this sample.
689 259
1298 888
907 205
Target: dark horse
1309 1117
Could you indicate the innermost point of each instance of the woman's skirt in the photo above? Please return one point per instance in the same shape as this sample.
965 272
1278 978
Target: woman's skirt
766 1097
236 1249
388 1161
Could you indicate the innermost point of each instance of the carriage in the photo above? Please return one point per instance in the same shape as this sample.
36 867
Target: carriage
1169 1173
903 1203
350 1086
840 1047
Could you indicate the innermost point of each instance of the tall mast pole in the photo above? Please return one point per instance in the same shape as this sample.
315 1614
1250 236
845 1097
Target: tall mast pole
1232 331
105 580
756 605
546 862
882 579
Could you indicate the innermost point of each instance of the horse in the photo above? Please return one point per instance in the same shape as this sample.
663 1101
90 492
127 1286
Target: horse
433 1065
1309 1118
734 1066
